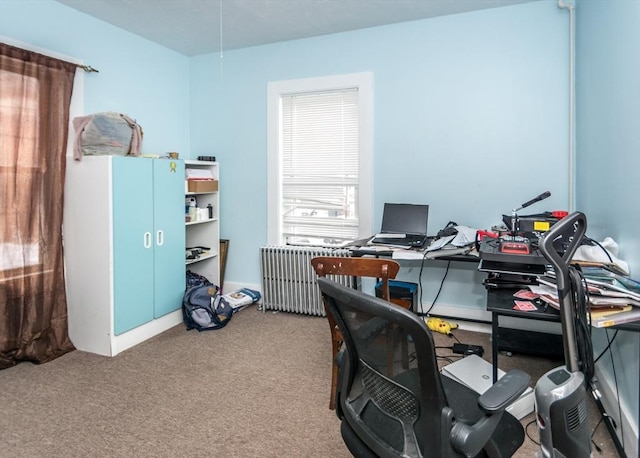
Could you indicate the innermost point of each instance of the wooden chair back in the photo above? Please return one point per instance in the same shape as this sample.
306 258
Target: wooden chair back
384 269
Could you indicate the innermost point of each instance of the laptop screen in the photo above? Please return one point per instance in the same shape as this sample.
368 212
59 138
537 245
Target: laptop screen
405 218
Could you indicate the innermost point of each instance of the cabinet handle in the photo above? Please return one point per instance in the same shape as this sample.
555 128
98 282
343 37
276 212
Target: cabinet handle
160 238
147 239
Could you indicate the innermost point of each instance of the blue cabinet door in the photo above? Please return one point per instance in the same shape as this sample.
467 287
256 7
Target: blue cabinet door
133 242
169 235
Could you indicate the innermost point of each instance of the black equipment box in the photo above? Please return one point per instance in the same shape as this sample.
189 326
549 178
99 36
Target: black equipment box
530 225
494 260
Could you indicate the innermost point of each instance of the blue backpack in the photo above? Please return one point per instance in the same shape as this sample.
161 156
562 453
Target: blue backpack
204 308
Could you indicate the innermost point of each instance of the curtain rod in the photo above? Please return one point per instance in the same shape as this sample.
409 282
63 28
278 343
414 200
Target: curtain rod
25 47
88 68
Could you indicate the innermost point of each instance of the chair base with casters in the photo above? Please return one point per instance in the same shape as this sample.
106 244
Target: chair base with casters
412 411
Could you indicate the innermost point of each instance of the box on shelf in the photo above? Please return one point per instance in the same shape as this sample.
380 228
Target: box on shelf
203 214
202 185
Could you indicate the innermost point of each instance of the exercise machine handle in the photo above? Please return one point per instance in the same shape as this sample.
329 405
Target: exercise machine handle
572 228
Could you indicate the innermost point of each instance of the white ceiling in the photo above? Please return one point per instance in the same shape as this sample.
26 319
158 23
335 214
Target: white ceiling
193 27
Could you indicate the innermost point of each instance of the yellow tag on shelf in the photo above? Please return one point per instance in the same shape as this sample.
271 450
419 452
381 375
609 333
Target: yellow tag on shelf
541 226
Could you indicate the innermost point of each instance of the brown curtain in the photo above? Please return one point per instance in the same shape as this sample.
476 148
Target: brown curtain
35 93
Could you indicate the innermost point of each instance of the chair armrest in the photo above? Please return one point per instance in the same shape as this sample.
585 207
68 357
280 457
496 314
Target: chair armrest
470 439
504 391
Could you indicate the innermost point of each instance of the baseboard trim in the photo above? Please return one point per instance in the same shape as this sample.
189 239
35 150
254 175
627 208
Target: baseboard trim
138 335
459 313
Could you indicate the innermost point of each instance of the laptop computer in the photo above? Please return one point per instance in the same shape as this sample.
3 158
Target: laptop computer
477 374
403 225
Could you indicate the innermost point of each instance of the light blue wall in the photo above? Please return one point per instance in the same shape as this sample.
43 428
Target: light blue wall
146 81
608 117
608 154
471 117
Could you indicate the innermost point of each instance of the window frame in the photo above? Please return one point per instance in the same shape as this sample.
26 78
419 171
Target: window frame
275 91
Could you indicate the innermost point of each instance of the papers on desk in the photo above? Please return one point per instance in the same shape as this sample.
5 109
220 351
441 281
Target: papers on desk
451 245
407 255
465 236
449 251
440 243
610 302
614 318
375 249
419 255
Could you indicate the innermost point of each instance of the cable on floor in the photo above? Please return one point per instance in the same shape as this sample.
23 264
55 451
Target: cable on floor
593 432
526 430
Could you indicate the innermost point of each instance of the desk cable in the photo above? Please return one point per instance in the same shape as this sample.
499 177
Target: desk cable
610 341
580 296
421 313
424 257
595 242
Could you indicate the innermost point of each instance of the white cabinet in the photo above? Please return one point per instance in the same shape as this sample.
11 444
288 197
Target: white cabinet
124 249
204 233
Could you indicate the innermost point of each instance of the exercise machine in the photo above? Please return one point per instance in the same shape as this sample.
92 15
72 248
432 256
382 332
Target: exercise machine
561 393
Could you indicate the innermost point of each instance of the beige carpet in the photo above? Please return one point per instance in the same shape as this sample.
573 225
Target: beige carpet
257 388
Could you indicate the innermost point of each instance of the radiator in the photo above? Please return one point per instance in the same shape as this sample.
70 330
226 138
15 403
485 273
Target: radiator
289 281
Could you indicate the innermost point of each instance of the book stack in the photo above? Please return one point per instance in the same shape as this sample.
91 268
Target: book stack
613 298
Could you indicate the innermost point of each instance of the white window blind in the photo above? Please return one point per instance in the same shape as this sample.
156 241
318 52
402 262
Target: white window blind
319 168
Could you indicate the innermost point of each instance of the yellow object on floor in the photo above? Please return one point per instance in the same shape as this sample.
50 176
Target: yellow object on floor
440 325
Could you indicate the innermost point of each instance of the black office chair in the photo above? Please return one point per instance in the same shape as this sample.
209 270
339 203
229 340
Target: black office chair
399 411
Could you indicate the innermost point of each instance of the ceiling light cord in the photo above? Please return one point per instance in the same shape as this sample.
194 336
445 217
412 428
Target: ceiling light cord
221 50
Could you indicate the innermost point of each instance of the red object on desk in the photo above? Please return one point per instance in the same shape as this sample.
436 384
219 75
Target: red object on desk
514 248
482 233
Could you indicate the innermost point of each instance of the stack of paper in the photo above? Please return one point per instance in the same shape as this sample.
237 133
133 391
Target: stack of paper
613 298
462 242
198 174
604 319
611 284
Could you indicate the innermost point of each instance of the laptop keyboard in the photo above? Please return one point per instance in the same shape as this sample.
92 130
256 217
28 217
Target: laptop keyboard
413 241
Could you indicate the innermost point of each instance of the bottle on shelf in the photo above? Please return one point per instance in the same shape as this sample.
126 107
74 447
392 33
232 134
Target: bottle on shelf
193 209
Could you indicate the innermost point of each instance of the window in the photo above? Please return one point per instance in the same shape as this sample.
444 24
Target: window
22 168
18 137
320 160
